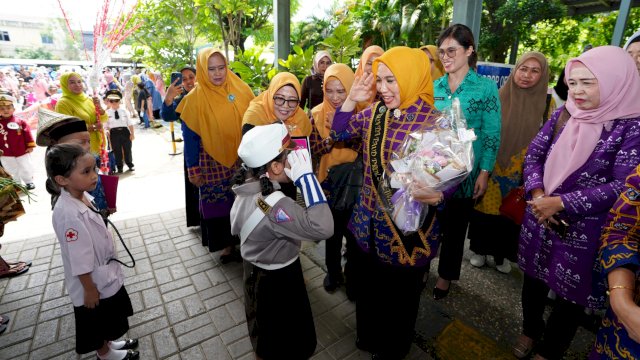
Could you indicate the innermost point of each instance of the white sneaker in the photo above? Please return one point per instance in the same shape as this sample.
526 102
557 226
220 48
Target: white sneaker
491 262
505 268
477 260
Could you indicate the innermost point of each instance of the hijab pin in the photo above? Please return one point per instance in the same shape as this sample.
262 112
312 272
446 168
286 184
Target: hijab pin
231 97
397 113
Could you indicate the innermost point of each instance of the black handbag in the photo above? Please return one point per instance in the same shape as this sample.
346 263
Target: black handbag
345 181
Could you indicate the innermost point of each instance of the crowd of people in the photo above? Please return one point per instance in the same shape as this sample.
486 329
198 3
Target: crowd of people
572 153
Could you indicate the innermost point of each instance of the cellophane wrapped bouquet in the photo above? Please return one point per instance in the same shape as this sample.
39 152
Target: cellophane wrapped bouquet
431 159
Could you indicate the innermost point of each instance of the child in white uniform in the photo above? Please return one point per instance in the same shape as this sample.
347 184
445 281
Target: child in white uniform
95 283
271 228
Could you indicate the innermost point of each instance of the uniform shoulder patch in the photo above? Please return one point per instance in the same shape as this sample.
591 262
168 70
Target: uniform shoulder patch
282 216
71 234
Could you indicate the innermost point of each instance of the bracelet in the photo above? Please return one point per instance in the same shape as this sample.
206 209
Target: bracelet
619 287
538 197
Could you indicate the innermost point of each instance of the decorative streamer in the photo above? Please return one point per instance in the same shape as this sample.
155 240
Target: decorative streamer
105 42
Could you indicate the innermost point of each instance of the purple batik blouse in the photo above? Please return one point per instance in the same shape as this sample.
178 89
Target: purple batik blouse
566 264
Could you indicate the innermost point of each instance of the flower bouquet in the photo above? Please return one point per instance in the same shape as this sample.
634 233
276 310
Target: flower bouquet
432 159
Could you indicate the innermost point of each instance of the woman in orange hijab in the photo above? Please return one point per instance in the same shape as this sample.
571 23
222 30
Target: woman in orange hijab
390 265
279 103
338 79
212 113
366 67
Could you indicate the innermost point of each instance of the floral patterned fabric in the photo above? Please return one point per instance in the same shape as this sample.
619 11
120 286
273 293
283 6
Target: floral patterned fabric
566 264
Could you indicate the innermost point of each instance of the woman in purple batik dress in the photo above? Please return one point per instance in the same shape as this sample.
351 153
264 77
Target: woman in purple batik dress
574 170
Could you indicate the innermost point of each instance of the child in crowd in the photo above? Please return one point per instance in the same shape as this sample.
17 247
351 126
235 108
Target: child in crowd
16 142
55 128
271 228
120 130
93 280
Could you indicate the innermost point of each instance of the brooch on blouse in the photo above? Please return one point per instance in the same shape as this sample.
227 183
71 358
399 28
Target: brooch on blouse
397 113
231 97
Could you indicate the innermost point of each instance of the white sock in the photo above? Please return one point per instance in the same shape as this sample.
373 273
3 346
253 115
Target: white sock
117 345
113 355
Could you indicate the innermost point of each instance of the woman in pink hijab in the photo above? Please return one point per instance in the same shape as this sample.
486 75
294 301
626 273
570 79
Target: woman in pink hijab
574 170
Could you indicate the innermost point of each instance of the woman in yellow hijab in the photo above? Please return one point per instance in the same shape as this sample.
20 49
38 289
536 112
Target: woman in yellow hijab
366 67
279 103
76 103
212 113
337 82
437 70
390 265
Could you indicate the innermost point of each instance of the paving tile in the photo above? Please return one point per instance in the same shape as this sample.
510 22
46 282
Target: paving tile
148 327
324 355
220 300
195 353
173 285
164 342
141 317
343 347
240 348
193 305
176 312
215 349
26 316
67 327
201 281
180 293
53 290
234 334
197 336
151 297
145 347
184 327
45 333
236 309
51 304
163 275
15 351
56 312
222 319
53 349
136 301
16 336
18 295
178 271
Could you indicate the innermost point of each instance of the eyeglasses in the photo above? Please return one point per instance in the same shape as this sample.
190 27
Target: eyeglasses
451 52
114 100
292 103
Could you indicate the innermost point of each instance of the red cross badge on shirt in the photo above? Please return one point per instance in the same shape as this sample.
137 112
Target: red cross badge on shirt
71 235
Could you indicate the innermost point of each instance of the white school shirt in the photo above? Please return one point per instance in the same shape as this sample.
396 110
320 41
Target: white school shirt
86 245
124 119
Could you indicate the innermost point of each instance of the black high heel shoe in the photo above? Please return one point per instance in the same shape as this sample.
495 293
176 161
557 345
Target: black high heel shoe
440 293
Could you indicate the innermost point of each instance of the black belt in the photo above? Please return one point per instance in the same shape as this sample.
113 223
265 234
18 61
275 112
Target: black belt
120 128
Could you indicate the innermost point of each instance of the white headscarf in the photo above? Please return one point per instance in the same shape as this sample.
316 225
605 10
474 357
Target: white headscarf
633 37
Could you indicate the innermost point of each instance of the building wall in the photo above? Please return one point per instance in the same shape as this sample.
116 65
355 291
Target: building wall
32 33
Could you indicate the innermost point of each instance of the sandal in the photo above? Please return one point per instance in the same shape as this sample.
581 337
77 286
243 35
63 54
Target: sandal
12 271
16 263
523 346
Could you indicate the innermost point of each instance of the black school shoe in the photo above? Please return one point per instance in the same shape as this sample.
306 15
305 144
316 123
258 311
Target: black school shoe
131 355
129 344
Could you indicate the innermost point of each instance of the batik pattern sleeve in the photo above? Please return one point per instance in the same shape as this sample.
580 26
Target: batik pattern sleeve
490 128
622 230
